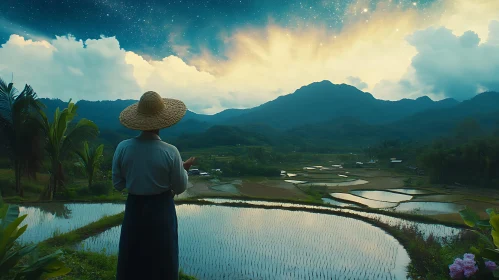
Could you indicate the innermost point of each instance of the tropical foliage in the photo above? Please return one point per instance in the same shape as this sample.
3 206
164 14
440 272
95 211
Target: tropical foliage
486 257
23 262
475 162
90 160
19 129
63 139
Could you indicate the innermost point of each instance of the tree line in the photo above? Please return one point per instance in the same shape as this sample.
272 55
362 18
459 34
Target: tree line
28 137
469 155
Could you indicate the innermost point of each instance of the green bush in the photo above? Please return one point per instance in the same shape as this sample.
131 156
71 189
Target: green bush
7 186
24 262
32 186
82 191
5 163
101 188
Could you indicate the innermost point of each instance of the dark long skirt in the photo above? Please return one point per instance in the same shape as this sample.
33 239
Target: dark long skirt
148 247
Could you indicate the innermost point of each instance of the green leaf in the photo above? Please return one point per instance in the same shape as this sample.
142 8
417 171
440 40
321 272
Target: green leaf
475 251
496 273
494 222
495 237
491 212
47 267
13 258
11 213
483 224
7 235
484 238
490 254
42 262
60 272
469 217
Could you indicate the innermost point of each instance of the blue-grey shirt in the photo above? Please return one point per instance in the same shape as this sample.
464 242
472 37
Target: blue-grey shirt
146 165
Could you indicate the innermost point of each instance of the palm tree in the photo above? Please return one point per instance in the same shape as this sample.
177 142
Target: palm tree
20 129
90 159
62 140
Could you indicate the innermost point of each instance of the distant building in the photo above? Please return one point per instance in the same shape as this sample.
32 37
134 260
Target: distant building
194 172
394 162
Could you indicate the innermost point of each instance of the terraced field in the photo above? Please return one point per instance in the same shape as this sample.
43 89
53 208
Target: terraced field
247 243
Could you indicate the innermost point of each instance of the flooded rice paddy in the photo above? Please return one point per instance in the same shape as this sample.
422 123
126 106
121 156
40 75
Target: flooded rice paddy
251 243
364 201
398 201
338 184
429 208
255 243
410 191
45 219
337 203
382 196
437 230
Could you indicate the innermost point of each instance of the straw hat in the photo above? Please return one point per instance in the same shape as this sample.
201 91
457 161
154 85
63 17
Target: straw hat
153 112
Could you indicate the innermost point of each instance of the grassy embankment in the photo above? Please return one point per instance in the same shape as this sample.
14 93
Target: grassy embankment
84 264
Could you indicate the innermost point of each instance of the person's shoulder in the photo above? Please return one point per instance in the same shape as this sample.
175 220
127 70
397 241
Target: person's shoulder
169 146
124 143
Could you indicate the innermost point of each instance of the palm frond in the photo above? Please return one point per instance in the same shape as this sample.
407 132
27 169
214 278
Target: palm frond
84 130
83 154
7 96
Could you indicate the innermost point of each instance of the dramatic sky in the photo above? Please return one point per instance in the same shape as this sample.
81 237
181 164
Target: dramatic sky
239 53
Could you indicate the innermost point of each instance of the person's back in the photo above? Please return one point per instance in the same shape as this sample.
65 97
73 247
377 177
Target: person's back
153 172
145 165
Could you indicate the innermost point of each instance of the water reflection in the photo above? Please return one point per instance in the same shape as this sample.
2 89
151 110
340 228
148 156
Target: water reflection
250 243
410 191
383 196
364 201
46 219
59 210
429 208
439 231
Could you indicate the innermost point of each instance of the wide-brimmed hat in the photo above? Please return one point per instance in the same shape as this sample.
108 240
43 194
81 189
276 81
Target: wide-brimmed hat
153 112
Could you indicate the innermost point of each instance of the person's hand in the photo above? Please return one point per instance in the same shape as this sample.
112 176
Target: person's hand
188 163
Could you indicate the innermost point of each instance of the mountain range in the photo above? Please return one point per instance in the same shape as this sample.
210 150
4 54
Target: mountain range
321 113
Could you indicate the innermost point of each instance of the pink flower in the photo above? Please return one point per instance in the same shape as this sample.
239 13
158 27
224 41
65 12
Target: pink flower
468 272
468 263
456 271
469 256
459 262
491 265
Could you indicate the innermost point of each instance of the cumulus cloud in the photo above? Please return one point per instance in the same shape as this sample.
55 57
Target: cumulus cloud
357 82
448 65
69 68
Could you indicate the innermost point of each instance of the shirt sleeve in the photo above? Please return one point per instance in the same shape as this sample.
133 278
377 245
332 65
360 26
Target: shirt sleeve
118 180
179 177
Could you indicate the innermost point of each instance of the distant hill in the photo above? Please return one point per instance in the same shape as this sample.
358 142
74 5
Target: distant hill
324 101
321 113
484 108
310 104
219 135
